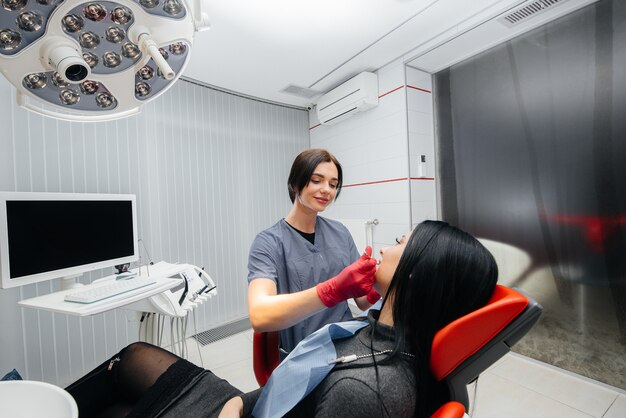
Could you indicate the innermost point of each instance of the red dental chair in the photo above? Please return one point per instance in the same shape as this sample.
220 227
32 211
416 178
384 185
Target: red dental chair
460 351
264 355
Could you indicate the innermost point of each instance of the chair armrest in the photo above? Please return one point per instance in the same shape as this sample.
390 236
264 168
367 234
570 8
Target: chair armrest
264 355
450 410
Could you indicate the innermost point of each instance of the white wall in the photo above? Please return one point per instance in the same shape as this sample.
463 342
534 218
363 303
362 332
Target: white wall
209 170
377 149
421 136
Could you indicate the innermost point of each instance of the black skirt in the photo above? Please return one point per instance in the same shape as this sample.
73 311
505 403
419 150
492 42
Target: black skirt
185 390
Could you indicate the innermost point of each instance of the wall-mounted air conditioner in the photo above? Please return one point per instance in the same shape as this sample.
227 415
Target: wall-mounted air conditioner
358 94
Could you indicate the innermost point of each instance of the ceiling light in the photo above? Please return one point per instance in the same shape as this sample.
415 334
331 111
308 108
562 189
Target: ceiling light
95 60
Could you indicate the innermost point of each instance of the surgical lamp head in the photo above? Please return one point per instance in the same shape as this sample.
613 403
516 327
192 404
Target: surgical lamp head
87 60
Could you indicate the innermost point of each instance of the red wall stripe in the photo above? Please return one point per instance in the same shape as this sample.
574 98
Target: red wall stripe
387 181
390 91
417 88
374 182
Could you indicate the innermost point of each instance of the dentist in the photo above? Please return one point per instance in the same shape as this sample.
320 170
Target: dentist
304 268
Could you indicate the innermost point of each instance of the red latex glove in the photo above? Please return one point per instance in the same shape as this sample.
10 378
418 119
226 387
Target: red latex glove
373 296
353 281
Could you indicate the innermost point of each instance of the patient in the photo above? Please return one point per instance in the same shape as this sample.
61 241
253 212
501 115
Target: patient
433 276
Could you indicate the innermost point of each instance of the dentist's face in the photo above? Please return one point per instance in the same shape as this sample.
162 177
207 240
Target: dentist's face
321 189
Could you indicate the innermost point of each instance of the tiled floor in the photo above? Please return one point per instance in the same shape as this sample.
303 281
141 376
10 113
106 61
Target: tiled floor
515 386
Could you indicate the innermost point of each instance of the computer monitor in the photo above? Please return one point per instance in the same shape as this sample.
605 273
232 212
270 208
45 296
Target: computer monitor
45 236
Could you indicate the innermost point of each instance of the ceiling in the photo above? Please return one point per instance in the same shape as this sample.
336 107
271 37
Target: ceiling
258 48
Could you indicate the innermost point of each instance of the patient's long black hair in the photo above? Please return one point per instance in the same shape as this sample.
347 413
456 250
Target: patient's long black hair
443 274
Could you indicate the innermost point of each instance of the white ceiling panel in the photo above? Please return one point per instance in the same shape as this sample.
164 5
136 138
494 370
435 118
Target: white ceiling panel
258 48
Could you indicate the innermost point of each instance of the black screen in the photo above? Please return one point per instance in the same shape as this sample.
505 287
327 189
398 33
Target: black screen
47 235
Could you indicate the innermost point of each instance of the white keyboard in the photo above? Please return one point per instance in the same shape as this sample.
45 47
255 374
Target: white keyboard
93 294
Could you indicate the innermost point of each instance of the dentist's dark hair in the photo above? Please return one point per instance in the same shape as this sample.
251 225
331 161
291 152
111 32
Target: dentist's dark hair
443 274
303 167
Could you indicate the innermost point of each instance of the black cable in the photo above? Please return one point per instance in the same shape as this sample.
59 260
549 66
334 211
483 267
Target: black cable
182 297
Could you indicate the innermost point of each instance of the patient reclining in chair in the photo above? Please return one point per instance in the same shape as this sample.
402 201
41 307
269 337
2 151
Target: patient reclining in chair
377 366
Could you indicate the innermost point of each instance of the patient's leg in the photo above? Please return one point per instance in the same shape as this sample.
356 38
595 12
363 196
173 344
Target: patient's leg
140 365
114 387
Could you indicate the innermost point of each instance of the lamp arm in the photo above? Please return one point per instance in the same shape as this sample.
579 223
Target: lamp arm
200 18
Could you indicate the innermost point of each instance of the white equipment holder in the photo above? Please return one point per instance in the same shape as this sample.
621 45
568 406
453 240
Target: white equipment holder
176 304
200 287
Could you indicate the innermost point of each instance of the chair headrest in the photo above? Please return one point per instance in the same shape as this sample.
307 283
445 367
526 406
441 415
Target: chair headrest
463 337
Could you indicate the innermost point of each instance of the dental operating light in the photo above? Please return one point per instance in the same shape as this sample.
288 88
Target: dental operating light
95 60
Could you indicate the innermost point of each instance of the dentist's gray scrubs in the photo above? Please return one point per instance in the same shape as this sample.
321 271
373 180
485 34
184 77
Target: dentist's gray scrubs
281 254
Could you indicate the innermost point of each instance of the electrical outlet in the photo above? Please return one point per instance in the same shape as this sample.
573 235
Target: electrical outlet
422 167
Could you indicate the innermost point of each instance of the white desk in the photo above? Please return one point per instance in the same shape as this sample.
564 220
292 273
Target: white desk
54 301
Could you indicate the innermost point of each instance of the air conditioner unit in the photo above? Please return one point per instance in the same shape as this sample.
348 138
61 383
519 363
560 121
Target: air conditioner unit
358 94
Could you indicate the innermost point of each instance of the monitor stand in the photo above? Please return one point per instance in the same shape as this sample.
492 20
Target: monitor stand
70 282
